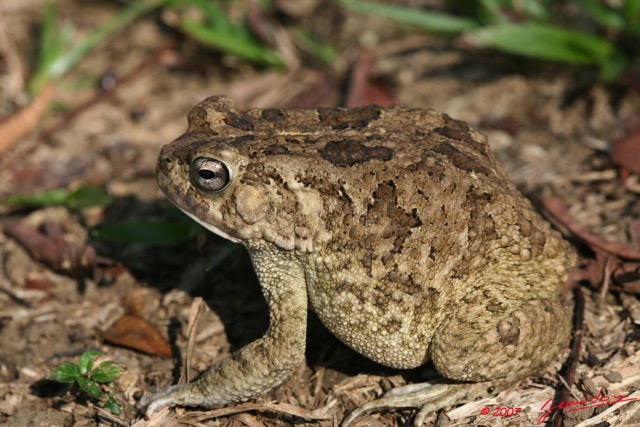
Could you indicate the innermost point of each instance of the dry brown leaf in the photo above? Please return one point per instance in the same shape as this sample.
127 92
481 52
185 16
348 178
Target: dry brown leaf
627 276
589 270
559 210
363 90
48 245
135 301
137 333
625 152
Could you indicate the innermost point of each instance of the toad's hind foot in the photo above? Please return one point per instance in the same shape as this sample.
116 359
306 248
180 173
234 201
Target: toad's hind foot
430 397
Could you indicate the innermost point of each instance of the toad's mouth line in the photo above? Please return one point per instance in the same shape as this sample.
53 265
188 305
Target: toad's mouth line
210 227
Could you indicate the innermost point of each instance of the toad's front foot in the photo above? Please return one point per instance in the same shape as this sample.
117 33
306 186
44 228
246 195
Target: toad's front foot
180 395
430 397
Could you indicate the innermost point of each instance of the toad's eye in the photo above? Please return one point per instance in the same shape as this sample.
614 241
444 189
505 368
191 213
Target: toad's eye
209 174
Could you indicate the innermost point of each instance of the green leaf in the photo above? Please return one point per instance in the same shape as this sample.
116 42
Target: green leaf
82 197
66 373
114 407
86 197
106 372
424 20
318 49
49 198
146 232
544 42
90 387
85 364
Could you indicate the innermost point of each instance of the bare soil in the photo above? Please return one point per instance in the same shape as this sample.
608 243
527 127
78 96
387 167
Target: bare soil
553 133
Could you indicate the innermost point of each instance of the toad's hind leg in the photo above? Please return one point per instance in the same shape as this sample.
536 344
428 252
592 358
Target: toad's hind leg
483 352
479 344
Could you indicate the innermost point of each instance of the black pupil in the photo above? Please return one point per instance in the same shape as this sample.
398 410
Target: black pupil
206 174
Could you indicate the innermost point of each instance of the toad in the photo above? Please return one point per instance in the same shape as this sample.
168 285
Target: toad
396 226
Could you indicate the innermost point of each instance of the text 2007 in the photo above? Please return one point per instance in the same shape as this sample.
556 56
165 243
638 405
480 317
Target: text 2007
506 412
501 411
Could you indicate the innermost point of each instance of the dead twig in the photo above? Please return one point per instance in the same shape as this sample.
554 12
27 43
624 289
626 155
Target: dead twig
15 127
283 408
571 365
195 312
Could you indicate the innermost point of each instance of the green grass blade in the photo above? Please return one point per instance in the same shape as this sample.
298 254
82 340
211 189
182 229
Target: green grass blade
611 70
537 10
217 19
318 49
544 42
136 9
631 11
245 48
434 22
52 44
49 38
57 59
603 14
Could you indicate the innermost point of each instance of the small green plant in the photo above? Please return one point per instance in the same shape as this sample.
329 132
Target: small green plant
94 380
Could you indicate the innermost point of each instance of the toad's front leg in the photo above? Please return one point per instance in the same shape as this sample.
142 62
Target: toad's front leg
264 363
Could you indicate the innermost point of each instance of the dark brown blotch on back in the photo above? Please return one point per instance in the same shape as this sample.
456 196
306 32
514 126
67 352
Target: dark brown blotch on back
273 115
460 159
275 149
348 153
198 120
242 140
238 122
340 118
459 131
